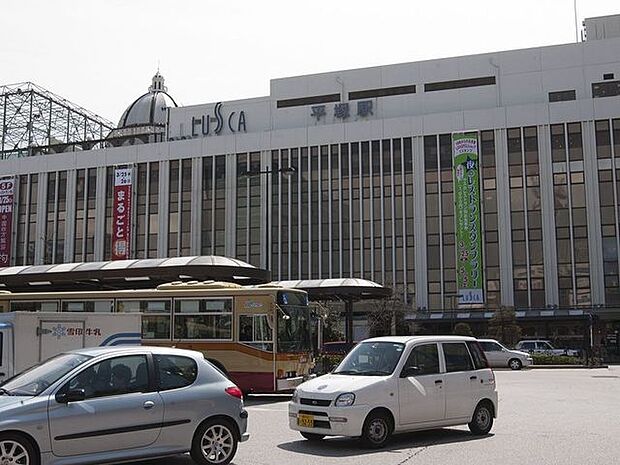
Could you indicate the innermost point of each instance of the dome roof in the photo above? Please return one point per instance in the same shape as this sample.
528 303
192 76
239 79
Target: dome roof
149 109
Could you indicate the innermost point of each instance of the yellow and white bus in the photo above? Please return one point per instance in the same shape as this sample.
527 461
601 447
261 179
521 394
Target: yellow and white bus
259 335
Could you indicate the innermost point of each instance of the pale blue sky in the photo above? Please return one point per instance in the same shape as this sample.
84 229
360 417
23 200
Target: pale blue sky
101 54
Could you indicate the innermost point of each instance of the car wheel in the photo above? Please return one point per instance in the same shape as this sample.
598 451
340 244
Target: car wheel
215 443
482 421
515 364
312 436
376 431
16 450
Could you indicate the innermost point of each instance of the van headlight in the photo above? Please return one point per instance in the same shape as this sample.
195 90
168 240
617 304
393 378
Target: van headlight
345 400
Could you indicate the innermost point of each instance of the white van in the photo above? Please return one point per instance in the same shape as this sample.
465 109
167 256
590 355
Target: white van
391 385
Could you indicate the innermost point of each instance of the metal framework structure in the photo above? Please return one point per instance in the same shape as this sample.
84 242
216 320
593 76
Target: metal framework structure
34 121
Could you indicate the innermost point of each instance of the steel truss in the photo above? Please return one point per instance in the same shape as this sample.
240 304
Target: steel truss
35 121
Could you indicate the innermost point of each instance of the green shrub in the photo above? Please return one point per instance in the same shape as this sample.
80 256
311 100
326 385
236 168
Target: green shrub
324 363
543 359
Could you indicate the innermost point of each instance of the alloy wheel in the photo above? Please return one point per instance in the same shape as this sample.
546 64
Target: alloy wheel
13 453
217 444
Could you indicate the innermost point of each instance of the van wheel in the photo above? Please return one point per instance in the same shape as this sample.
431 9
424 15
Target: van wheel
215 443
515 364
482 421
15 449
377 430
312 436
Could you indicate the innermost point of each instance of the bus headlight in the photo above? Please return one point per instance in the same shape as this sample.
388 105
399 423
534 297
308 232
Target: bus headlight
345 400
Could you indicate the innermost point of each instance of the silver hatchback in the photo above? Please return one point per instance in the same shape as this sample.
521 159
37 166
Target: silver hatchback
105 405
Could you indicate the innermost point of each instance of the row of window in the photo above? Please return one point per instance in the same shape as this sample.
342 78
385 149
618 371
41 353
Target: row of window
349 211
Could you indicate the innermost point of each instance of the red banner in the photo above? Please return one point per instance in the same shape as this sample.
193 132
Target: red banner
7 196
121 225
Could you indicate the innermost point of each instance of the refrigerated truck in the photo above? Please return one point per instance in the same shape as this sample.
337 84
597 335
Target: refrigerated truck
27 338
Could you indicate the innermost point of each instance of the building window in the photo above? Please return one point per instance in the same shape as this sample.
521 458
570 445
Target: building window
303 101
459 84
526 218
562 96
570 216
605 89
440 233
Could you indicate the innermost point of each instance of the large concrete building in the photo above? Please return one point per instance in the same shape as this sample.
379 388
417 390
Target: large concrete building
372 191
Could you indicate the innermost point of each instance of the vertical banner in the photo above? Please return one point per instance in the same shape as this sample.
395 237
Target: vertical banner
121 223
7 197
469 268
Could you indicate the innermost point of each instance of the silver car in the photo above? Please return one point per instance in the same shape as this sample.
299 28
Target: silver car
105 405
499 356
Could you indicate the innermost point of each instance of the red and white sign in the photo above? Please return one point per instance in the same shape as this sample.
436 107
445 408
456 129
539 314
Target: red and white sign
7 197
121 226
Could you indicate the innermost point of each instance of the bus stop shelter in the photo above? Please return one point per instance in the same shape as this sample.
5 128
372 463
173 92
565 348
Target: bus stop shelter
129 274
347 290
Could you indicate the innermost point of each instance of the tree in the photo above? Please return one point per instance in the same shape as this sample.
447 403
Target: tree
332 324
462 329
387 318
503 326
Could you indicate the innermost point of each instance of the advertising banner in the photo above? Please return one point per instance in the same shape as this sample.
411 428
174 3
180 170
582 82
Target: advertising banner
7 197
121 223
469 269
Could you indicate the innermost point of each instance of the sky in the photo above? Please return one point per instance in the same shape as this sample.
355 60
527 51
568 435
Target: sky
102 54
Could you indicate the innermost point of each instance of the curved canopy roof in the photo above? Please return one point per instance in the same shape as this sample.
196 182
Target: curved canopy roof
129 274
339 289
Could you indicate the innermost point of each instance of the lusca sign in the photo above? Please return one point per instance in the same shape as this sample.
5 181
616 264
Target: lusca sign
208 124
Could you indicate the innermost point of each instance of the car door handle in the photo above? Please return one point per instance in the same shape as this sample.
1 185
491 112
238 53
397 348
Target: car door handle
438 381
149 404
2 374
473 377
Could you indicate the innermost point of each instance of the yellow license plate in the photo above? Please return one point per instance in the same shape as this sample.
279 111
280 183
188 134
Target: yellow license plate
307 421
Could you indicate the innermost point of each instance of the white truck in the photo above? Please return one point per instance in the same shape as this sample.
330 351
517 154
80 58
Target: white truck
27 338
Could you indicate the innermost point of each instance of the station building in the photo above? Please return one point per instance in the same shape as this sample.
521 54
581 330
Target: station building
349 174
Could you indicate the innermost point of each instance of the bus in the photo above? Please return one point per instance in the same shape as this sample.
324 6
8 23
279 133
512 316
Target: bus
259 336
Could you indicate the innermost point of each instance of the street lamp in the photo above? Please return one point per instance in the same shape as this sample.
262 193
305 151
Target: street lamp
287 171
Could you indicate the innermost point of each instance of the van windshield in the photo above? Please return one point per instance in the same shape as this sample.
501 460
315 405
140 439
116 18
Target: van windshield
371 359
35 380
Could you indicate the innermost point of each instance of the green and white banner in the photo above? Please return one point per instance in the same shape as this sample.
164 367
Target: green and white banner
469 267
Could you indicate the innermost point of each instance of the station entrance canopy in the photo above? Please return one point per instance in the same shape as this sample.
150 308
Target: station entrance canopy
129 274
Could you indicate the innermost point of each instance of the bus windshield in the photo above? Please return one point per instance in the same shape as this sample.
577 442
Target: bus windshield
294 323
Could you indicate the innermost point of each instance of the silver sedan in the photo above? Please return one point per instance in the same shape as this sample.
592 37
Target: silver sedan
106 405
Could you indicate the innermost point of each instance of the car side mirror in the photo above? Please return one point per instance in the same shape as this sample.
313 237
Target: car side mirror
410 371
75 395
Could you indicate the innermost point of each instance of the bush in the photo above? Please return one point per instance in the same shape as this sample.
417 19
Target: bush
324 363
543 359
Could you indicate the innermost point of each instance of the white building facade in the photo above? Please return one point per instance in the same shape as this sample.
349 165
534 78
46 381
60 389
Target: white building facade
372 191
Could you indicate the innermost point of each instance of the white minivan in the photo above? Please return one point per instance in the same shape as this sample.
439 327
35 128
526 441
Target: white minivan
395 384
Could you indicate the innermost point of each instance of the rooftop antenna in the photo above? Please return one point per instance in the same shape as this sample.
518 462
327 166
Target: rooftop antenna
576 22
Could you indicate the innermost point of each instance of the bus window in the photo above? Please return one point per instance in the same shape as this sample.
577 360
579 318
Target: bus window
27 306
255 331
203 319
156 316
91 306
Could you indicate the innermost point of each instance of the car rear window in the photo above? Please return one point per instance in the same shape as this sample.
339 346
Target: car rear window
480 360
175 371
457 357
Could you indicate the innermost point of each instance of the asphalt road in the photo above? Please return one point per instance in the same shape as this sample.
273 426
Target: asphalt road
562 416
